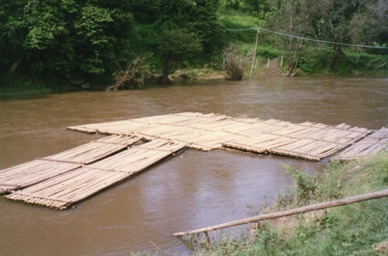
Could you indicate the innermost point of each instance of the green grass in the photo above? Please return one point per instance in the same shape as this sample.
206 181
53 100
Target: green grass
356 229
238 20
23 87
314 59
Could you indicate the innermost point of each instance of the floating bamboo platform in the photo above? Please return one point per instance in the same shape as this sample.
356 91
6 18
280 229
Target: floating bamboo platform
373 143
63 179
63 190
311 141
38 170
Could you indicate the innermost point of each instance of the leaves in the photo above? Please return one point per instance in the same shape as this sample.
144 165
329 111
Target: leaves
177 46
65 37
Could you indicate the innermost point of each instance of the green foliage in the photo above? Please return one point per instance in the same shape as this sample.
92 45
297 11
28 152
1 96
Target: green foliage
305 185
268 52
260 9
12 86
63 38
90 28
239 20
69 39
177 46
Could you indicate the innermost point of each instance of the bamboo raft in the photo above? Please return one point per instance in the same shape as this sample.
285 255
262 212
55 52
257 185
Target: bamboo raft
311 141
63 190
38 170
373 143
63 179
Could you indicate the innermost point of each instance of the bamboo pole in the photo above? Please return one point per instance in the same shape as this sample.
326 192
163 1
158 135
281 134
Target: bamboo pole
308 208
254 53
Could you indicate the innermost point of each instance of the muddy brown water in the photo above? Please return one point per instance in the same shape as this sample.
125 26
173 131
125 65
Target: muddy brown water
191 190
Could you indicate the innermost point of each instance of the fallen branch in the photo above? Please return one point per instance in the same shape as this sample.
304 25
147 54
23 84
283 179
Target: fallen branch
134 75
313 207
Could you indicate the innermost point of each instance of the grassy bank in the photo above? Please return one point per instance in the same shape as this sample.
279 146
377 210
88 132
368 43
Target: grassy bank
357 229
314 58
13 86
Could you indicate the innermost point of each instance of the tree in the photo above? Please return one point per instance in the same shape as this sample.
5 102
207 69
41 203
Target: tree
203 22
340 22
350 21
176 46
257 8
196 16
369 25
64 38
186 30
293 18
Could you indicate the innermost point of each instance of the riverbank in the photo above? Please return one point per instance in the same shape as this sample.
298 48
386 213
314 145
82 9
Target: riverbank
358 229
14 86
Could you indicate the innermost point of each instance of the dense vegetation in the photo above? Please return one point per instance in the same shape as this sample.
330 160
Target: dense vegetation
71 41
357 229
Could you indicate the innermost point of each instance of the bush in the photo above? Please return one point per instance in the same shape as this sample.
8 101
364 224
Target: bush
234 63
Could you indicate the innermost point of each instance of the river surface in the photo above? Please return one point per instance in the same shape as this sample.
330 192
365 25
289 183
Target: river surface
191 190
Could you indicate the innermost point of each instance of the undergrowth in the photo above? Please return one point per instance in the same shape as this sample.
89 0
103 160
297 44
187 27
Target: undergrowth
356 229
14 86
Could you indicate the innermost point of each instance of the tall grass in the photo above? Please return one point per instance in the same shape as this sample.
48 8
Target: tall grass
357 229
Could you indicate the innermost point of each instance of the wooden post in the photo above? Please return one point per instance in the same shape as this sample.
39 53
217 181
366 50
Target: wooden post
207 237
254 53
308 208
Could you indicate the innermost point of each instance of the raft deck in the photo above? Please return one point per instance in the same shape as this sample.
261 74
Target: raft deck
38 170
311 141
373 143
63 179
61 191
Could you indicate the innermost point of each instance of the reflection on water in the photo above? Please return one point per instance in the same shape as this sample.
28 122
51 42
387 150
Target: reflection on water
191 190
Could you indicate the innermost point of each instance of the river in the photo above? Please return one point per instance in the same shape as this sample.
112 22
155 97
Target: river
191 190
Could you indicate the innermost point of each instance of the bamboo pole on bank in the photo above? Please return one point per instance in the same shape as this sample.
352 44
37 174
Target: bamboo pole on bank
308 208
254 53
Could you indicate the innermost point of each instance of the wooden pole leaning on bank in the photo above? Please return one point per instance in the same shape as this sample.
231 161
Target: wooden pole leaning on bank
254 53
308 208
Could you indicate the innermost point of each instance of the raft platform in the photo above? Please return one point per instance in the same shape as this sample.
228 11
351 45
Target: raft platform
311 141
60 184
61 180
38 170
370 145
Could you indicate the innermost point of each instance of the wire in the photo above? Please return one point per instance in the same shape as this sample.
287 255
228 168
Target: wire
308 39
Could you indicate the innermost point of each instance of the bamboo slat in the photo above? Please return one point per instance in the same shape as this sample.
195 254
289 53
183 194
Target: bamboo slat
64 190
30 173
95 150
371 144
